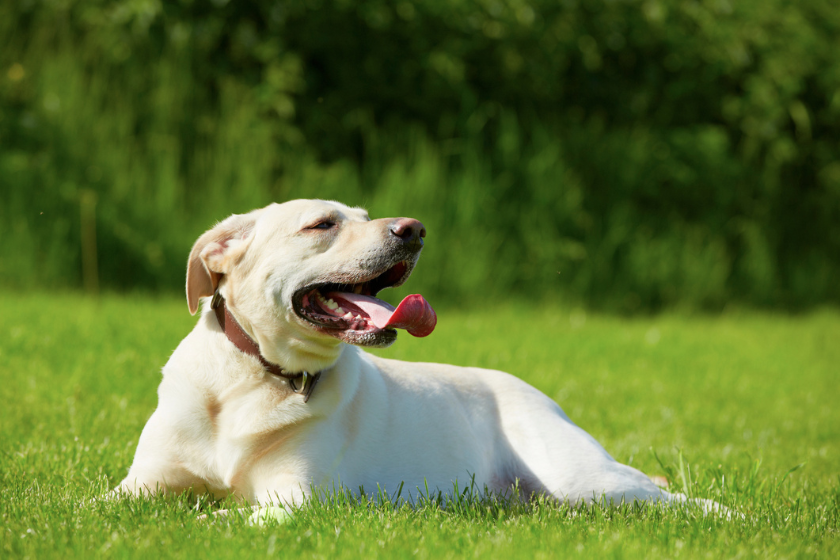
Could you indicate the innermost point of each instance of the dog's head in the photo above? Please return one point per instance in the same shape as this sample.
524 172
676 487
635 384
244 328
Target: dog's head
301 277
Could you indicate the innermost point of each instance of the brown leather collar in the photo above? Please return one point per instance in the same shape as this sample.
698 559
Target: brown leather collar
303 382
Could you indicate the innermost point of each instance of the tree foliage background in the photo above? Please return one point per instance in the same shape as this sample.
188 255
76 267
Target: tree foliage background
627 154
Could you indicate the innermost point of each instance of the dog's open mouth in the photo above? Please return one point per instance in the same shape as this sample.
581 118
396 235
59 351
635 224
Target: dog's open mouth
353 313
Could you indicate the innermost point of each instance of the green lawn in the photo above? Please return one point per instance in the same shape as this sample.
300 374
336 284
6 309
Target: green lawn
745 397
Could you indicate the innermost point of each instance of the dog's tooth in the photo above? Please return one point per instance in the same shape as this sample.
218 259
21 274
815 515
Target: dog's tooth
339 309
347 315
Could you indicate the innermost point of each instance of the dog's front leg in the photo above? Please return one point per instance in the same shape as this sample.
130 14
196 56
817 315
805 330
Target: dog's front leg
278 506
159 465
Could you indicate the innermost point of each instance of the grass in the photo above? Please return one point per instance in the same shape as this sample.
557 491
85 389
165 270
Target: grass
730 405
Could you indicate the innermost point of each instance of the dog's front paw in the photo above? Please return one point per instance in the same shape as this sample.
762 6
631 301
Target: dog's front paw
222 513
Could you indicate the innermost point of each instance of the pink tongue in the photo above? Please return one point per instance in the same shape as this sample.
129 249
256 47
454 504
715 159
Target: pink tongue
413 314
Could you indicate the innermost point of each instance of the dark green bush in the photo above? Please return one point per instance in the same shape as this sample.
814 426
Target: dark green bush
628 154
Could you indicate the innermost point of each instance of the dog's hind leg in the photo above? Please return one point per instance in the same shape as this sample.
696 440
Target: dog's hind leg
554 454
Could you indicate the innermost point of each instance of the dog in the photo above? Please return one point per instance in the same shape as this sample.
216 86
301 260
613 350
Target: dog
271 397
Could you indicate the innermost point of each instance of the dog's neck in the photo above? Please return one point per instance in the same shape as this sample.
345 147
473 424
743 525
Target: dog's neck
301 382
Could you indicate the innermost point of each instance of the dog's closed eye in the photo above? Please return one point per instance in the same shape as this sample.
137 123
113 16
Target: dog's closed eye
322 224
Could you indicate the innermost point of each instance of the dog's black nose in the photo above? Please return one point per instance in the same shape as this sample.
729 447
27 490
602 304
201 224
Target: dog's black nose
411 231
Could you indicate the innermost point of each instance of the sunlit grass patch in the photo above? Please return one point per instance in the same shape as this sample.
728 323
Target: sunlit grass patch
739 409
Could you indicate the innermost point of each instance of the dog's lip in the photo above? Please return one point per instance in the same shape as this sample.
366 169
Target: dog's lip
348 281
352 312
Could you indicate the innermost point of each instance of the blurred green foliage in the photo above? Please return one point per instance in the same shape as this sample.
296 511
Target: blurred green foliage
629 154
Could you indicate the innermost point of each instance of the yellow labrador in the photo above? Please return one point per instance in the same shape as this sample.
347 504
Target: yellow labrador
271 393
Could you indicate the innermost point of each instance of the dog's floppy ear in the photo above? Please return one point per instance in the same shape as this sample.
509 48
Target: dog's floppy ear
213 255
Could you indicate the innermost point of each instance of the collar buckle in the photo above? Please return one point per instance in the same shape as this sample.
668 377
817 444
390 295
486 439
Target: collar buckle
217 300
304 384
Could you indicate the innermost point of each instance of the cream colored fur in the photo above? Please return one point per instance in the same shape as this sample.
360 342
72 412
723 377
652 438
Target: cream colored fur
225 425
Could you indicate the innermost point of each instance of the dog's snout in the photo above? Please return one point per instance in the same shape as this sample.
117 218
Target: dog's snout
411 231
